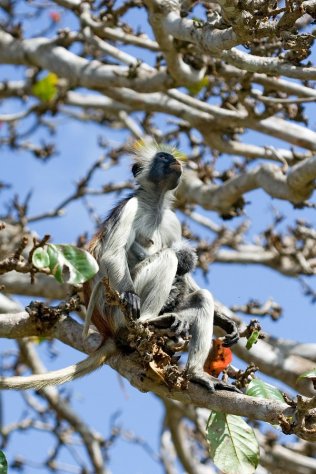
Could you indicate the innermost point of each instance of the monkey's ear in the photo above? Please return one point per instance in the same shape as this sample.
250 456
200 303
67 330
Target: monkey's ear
136 169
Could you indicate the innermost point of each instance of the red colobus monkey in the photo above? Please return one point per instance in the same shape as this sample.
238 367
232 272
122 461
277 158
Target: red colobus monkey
140 251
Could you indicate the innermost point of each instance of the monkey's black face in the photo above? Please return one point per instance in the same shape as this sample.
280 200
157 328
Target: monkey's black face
165 171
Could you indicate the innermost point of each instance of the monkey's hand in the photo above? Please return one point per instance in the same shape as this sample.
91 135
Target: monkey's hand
229 326
171 325
132 302
211 383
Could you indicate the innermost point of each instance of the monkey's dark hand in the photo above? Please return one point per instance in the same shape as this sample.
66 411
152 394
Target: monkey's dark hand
229 326
132 302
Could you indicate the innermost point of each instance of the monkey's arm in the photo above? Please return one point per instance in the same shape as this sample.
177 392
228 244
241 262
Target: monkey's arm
196 314
109 248
220 319
115 241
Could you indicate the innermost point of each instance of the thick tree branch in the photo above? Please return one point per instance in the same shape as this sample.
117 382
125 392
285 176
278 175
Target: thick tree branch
181 72
273 360
67 330
46 54
44 286
253 408
295 187
209 39
271 66
236 404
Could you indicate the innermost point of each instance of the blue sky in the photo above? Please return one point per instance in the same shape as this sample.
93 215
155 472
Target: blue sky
100 395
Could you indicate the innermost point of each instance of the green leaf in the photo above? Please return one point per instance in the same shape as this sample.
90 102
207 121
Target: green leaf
3 463
233 445
198 86
309 374
78 265
54 263
259 388
40 258
67 263
253 339
45 89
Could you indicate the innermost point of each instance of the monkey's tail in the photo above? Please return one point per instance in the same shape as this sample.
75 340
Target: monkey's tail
58 377
90 308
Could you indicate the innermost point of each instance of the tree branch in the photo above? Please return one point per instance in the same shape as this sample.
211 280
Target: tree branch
296 187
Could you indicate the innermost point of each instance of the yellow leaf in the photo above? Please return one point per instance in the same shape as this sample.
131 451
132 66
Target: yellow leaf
46 89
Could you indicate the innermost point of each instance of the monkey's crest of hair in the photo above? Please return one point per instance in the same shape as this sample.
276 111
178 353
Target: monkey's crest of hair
145 150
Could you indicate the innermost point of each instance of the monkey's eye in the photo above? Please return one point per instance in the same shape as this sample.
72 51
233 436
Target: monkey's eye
165 157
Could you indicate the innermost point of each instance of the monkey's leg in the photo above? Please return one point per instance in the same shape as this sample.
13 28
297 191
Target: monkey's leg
153 282
197 312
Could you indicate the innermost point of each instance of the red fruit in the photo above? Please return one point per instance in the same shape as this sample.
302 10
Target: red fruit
219 358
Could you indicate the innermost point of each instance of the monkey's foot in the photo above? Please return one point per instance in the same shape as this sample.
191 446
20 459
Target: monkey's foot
171 325
212 383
